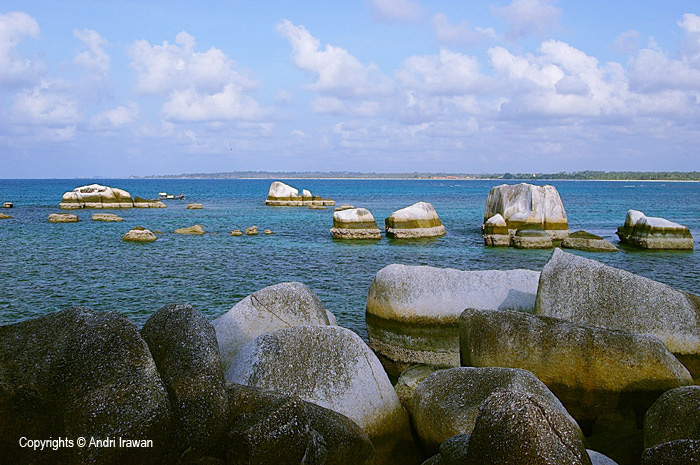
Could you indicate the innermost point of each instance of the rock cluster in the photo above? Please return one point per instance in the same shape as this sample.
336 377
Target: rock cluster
649 232
416 221
354 223
413 311
98 196
94 375
284 195
523 206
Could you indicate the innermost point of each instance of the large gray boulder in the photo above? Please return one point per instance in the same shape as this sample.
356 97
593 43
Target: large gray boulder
447 402
523 205
354 223
183 345
592 371
284 195
586 291
649 232
416 221
275 307
98 196
268 428
75 374
332 367
674 415
517 428
413 311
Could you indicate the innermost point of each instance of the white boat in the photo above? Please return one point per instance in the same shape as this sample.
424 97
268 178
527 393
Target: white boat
8 205
166 196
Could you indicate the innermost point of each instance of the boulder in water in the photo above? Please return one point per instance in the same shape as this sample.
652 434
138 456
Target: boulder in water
582 240
496 232
524 204
355 223
139 234
648 232
106 217
196 230
532 237
418 220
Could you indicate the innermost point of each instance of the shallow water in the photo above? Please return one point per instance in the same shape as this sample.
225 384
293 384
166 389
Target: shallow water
47 267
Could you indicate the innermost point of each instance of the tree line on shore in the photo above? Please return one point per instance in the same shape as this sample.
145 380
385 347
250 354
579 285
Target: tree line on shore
587 175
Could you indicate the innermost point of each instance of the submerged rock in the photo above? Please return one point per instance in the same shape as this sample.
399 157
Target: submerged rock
107 217
582 240
355 223
275 307
447 402
63 218
418 220
532 237
593 371
331 367
139 234
79 373
648 232
413 311
586 291
183 345
196 230
522 205
269 428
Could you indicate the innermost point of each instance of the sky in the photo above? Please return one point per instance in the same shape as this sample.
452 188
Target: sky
97 88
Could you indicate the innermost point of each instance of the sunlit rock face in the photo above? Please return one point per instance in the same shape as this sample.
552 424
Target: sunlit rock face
524 204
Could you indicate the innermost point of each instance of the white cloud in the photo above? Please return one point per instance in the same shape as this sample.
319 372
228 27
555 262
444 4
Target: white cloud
14 27
46 106
526 17
283 97
339 73
462 33
94 58
167 67
397 10
192 106
200 86
626 42
447 73
116 117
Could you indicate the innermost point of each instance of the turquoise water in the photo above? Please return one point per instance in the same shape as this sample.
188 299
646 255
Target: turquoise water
47 267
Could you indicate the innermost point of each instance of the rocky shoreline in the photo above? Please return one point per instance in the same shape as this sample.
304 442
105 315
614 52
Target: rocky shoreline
514 367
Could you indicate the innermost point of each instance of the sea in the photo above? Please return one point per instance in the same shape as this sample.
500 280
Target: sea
45 267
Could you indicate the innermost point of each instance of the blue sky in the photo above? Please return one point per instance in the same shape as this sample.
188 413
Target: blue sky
113 89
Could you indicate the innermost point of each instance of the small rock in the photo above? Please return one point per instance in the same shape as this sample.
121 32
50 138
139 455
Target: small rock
194 206
532 237
108 217
139 234
268 231
63 218
4 216
355 223
236 232
251 231
196 230
344 206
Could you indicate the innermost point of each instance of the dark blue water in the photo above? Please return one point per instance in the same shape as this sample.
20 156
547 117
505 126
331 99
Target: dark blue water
46 267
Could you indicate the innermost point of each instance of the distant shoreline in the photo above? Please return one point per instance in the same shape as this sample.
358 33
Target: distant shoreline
629 176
